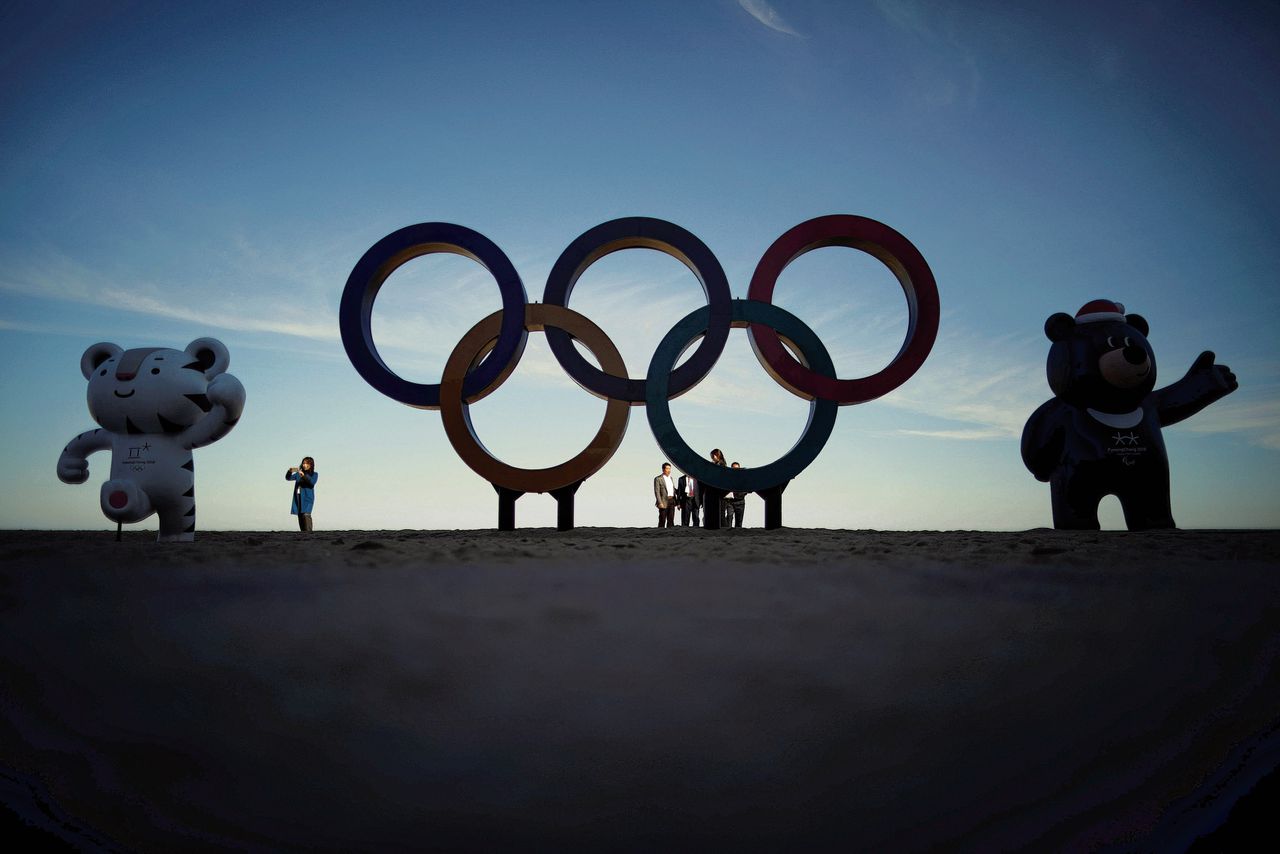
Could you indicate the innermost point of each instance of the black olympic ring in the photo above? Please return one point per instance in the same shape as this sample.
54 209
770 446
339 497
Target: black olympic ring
822 413
650 234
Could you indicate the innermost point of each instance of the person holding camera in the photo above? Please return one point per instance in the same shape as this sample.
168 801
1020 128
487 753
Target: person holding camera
304 477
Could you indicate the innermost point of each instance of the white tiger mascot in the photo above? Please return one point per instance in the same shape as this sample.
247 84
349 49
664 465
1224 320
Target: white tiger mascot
155 405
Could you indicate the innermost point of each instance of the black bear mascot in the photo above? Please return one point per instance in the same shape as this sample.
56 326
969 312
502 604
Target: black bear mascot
1100 434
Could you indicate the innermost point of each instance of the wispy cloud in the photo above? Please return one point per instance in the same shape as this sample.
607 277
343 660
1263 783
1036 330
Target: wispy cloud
7 325
1259 419
907 15
146 300
973 435
767 15
947 73
990 384
735 388
206 301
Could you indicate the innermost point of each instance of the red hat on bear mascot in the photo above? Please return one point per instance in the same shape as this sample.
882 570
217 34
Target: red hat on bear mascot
1100 309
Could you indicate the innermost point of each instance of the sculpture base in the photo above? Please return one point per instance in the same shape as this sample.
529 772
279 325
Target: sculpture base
507 499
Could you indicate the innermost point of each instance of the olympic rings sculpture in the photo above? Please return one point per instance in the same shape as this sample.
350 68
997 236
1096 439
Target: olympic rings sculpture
490 351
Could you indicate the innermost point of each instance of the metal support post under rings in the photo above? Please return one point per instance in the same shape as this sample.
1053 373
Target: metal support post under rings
507 499
468 377
773 506
712 506
564 505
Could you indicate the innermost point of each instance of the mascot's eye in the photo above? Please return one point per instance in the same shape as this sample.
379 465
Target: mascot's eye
1111 341
103 373
1128 343
155 370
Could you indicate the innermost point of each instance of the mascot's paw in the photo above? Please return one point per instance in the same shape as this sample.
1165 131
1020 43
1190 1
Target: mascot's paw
225 390
1220 375
123 501
72 469
1225 378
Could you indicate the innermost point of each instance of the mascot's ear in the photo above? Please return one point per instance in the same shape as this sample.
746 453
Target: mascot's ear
96 355
1059 326
210 355
1138 322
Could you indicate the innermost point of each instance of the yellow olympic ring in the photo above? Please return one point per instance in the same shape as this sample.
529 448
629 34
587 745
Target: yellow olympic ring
456 415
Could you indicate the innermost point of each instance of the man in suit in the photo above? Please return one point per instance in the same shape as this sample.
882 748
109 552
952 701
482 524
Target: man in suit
735 505
690 499
664 497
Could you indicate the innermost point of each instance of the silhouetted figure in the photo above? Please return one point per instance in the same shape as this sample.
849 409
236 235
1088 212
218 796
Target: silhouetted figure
735 505
1100 434
690 499
664 497
726 513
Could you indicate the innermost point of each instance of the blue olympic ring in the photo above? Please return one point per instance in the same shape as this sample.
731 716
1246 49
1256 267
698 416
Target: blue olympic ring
383 258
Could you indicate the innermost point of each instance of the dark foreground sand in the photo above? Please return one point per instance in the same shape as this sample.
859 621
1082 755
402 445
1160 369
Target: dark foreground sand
637 689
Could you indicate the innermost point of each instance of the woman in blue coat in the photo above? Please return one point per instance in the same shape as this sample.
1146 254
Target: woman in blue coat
304 492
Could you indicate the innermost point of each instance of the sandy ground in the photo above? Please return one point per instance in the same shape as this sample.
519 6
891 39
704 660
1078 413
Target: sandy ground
637 689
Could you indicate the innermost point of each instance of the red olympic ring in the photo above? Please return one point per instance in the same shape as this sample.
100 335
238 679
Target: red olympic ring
899 255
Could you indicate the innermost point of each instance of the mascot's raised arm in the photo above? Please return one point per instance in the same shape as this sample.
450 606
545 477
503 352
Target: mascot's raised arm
155 405
1101 433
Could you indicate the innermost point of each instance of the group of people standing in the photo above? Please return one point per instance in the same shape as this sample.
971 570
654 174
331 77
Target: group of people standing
668 494
686 494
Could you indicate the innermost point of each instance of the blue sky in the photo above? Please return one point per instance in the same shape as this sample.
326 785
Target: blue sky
178 170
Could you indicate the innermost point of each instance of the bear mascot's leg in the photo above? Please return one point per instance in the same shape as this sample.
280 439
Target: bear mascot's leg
1146 505
1075 502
